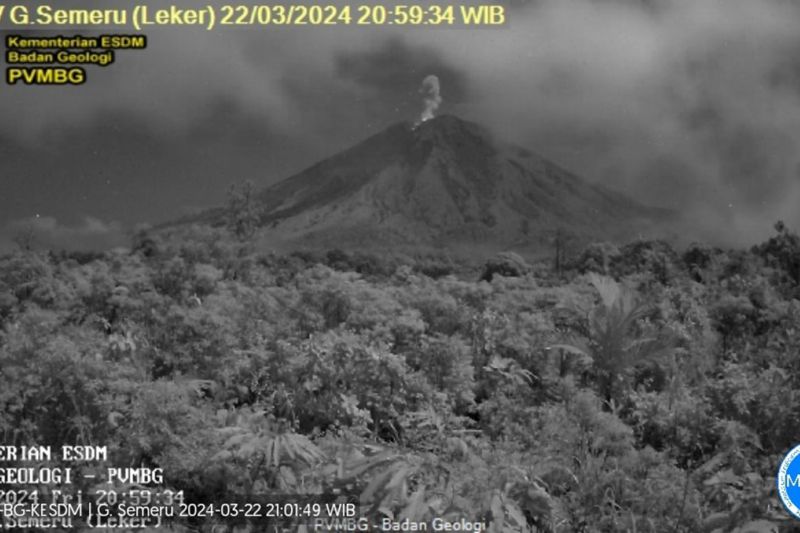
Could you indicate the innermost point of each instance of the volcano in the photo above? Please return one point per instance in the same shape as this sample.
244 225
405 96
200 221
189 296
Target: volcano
446 181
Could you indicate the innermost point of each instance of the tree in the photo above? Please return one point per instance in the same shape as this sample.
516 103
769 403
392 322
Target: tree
598 257
782 251
25 238
562 240
615 345
243 216
144 242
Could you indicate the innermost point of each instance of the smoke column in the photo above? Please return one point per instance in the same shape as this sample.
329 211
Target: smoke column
431 97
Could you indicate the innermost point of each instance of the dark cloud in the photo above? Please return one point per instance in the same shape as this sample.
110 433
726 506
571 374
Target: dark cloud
677 105
690 105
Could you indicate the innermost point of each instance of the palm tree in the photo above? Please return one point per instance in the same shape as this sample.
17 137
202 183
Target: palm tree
613 344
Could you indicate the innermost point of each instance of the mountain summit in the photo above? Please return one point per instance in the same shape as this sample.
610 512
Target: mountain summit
443 182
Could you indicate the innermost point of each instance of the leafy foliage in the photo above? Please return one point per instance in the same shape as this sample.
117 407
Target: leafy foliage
615 342
657 400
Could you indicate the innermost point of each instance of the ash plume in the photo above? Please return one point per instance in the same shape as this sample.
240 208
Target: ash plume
431 97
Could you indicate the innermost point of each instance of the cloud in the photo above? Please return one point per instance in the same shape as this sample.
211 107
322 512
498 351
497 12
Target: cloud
395 68
45 232
691 105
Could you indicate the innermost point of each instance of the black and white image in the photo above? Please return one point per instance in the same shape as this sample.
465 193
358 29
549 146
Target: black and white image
534 276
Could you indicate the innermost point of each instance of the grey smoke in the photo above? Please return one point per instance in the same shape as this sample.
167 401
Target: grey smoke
432 97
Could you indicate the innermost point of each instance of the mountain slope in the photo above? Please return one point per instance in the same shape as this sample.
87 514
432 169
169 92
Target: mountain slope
445 182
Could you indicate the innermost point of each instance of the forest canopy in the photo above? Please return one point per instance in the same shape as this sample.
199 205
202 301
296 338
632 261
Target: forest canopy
638 388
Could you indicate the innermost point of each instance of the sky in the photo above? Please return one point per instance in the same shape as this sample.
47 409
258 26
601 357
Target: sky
693 106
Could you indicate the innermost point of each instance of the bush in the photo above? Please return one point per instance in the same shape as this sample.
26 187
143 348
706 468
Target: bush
597 257
507 264
656 258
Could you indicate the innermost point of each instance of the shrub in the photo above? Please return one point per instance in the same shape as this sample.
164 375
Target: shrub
654 257
598 257
782 251
506 264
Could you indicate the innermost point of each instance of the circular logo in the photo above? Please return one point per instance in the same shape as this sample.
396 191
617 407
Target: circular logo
789 481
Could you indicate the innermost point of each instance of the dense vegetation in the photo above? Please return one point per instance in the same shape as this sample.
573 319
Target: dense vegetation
639 390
